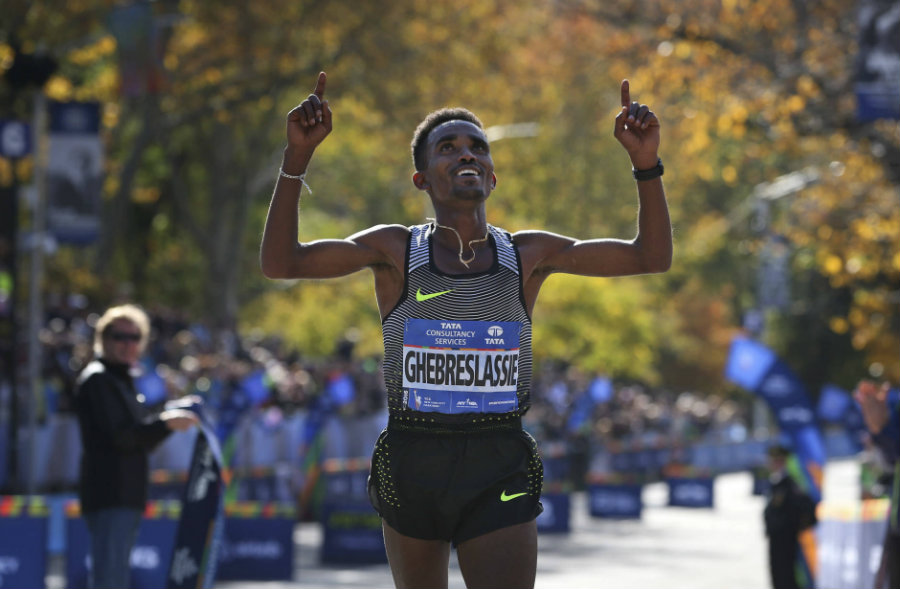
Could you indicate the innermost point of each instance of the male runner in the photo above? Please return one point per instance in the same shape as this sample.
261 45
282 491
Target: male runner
456 298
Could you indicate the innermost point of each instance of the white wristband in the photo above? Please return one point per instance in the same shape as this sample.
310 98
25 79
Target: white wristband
301 177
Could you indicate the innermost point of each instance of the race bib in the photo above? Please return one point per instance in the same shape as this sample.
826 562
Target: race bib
461 366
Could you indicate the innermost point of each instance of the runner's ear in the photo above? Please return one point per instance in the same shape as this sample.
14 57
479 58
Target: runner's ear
420 181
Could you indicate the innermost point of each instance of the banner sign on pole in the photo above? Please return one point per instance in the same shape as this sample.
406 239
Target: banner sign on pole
195 554
757 368
878 62
15 139
74 172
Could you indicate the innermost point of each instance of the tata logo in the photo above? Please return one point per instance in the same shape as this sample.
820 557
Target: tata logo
495 331
612 502
691 493
795 414
777 386
256 549
9 565
445 325
145 557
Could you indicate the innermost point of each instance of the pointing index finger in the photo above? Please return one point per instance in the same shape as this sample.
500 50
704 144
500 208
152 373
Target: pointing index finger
626 94
320 85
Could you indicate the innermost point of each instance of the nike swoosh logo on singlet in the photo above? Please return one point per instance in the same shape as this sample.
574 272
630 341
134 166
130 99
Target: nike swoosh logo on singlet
424 297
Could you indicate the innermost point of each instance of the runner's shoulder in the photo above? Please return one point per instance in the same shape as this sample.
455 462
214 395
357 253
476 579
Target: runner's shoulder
390 240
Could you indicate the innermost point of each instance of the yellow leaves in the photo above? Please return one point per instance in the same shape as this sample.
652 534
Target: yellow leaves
796 103
832 264
110 115
700 141
6 172
838 325
145 195
683 50
212 76
6 56
58 88
729 175
104 86
807 87
89 54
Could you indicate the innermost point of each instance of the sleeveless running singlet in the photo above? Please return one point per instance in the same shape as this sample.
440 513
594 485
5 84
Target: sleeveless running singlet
458 347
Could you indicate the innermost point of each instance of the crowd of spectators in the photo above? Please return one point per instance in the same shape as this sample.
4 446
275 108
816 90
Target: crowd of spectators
233 372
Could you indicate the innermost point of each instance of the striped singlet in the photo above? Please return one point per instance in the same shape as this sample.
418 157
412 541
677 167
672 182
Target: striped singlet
458 347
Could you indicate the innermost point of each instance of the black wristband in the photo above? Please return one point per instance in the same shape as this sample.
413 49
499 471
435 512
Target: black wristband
649 174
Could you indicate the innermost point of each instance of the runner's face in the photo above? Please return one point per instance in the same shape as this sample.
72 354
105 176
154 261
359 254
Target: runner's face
459 162
122 342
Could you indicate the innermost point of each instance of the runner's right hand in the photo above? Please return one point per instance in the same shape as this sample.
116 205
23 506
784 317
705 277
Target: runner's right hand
310 122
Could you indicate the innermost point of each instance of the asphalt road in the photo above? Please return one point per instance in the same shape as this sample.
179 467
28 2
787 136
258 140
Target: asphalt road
674 548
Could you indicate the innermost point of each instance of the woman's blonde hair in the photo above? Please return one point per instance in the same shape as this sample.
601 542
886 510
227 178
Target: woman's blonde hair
131 313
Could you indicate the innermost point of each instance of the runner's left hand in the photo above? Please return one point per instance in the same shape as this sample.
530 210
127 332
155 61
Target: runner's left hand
637 129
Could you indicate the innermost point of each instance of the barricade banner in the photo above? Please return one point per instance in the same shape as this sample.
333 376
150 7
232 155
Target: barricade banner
615 501
195 555
258 543
556 515
850 540
149 556
691 492
345 479
23 541
351 534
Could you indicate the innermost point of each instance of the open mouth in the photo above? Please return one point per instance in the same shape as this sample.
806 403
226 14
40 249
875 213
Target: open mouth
468 172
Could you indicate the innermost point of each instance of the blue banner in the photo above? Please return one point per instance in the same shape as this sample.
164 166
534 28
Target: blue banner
755 367
748 362
691 492
257 549
555 517
74 172
194 557
149 556
599 391
876 81
351 534
23 556
15 139
619 501
834 402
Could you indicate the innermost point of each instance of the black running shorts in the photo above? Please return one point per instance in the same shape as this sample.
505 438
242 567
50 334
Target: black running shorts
455 486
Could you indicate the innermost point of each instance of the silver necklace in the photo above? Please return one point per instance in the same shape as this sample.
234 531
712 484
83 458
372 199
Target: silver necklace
470 260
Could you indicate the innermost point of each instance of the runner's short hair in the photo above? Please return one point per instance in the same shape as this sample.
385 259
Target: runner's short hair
429 123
